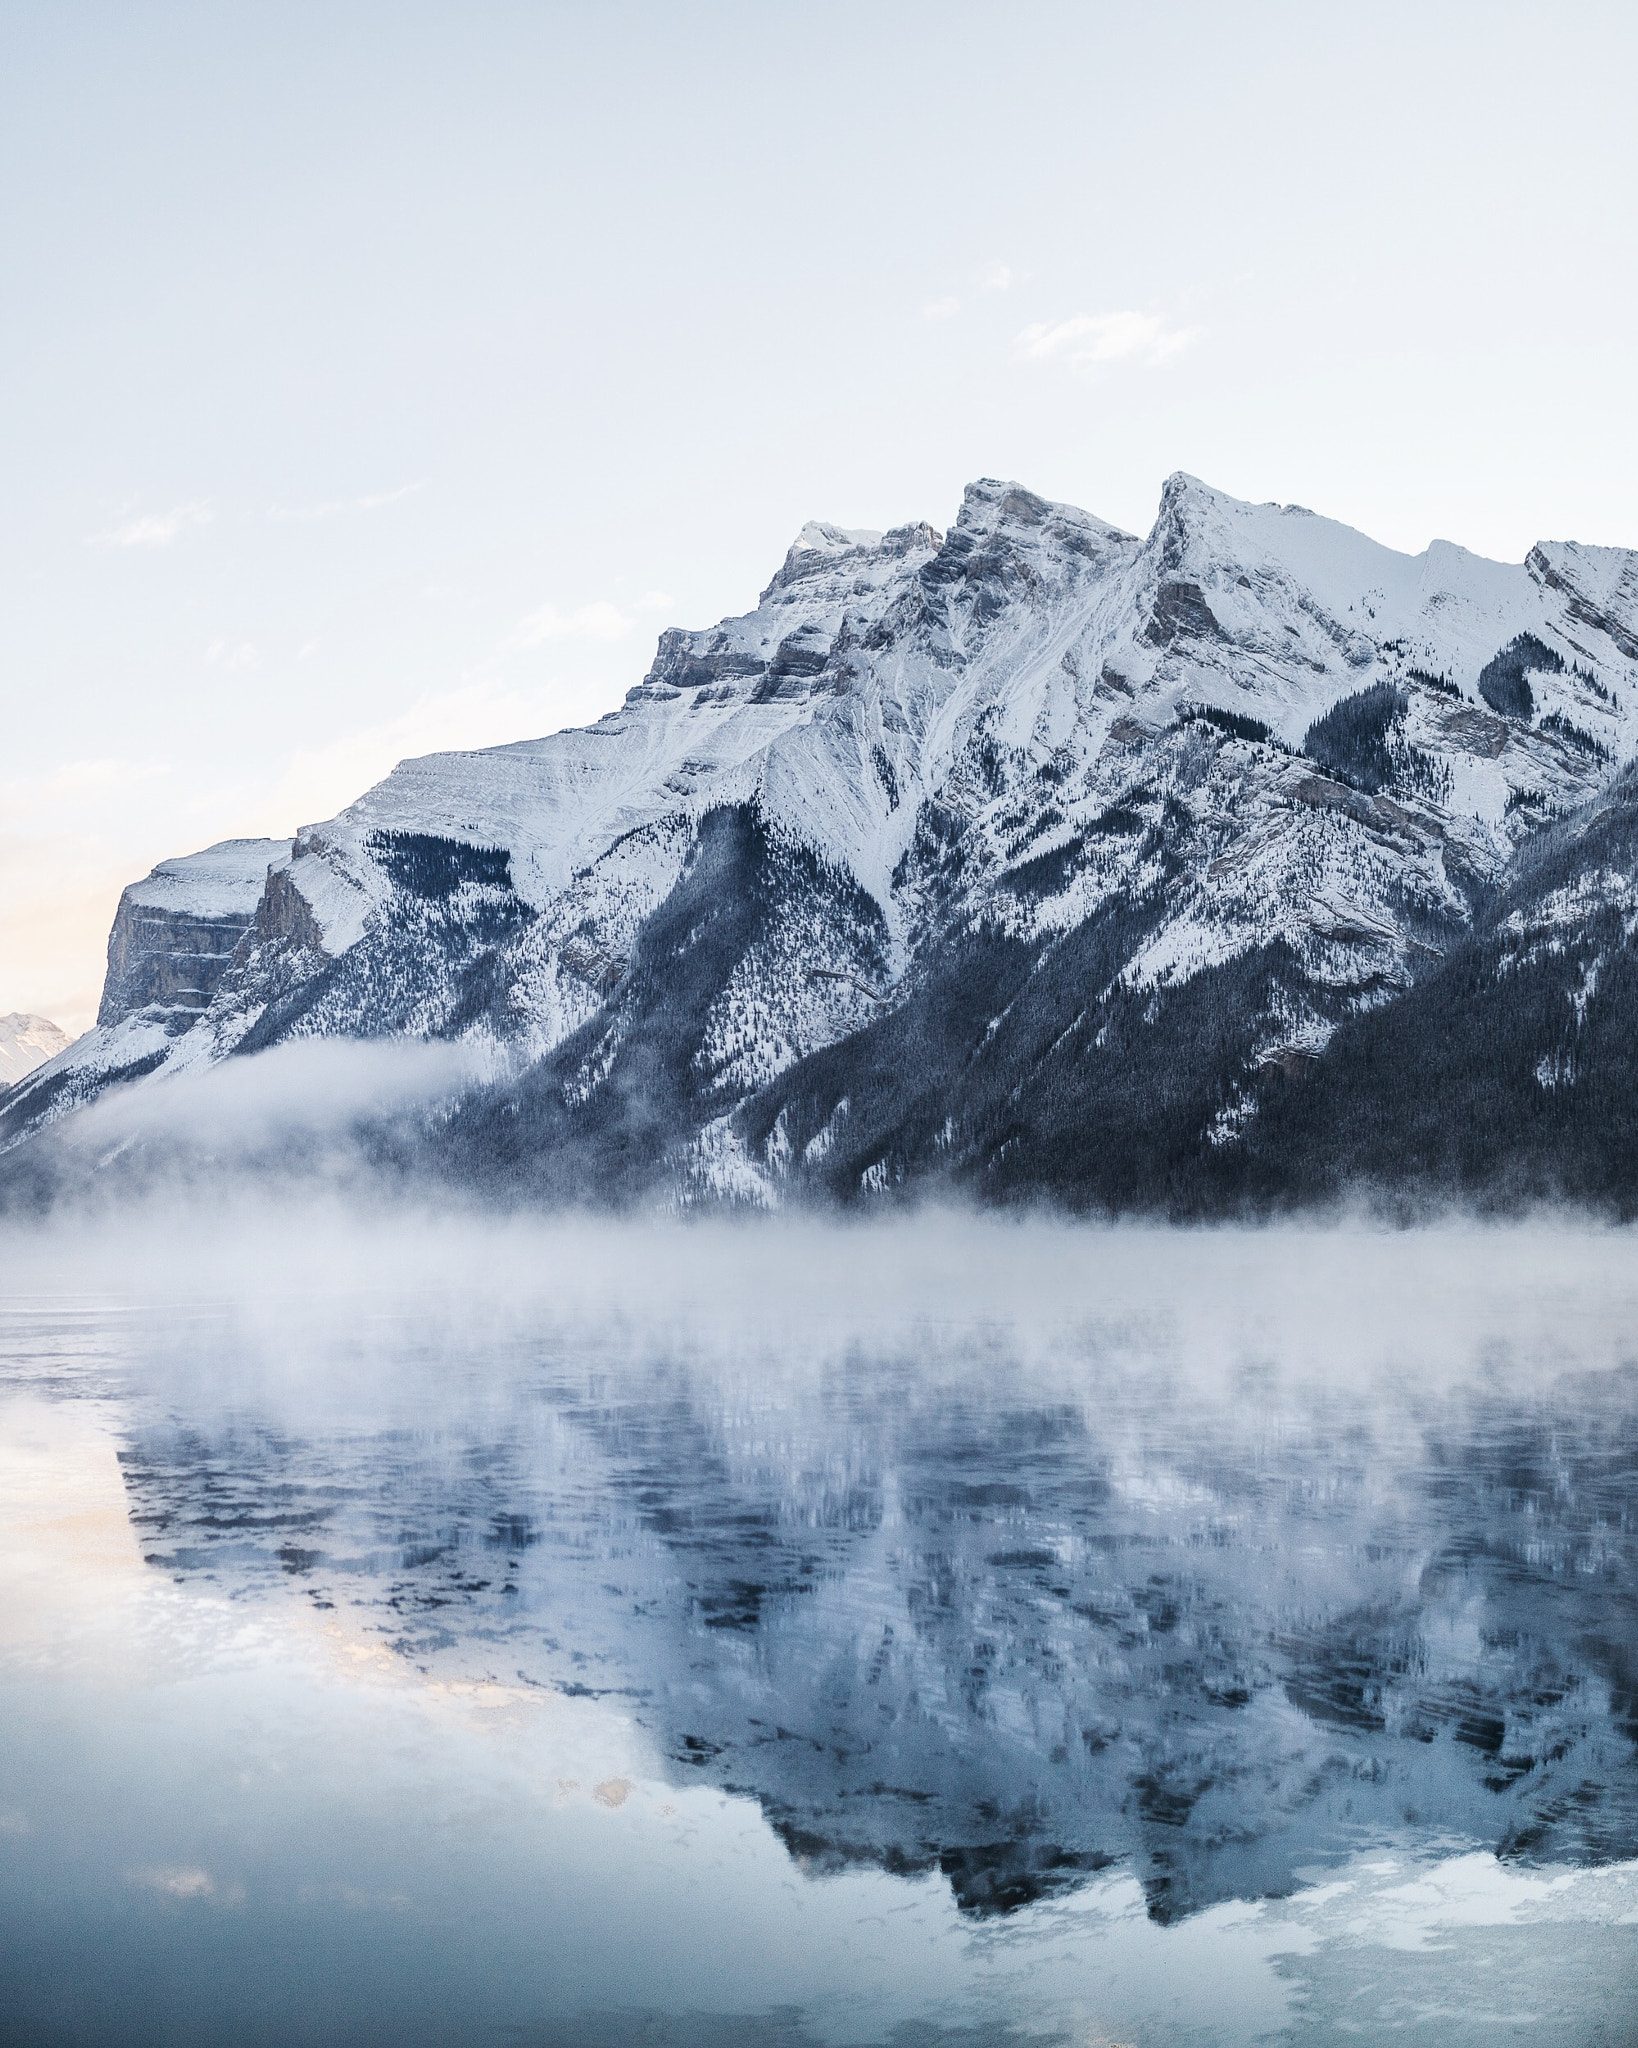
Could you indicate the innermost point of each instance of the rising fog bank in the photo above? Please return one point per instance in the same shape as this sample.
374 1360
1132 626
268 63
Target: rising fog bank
329 1290
364 1125
260 1218
322 1116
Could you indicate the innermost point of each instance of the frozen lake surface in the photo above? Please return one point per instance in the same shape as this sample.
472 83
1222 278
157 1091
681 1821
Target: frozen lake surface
423 1631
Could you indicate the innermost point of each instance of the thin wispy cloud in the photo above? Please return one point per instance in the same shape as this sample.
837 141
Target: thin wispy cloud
655 601
94 778
597 621
1088 340
941 309
185 1883
336 508
998 278
154 529
223 654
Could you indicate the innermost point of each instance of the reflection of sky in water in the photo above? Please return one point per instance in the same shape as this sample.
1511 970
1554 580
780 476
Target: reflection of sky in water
401 1669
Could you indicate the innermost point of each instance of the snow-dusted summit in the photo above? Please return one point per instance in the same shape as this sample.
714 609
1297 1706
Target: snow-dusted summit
1033 854
27 1042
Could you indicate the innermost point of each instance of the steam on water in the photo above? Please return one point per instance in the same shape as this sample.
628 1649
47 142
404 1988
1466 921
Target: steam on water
1015 1559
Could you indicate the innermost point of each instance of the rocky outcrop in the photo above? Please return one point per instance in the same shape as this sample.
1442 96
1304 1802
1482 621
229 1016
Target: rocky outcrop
175 934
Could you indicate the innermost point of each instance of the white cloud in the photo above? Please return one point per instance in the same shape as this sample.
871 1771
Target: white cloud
941 309
998 278
598 621
655 601
186 1883
179 1884
1088 339
333 508
155 529
223 654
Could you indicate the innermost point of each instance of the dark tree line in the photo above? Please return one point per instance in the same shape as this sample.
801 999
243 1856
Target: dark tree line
427 865
1504 681
1236 723
1351 739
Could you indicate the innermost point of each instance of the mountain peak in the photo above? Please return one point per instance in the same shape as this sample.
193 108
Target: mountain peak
993 505
27 1042
822 547
819 537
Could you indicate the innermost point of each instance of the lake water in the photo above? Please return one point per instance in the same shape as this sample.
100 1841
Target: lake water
416 1630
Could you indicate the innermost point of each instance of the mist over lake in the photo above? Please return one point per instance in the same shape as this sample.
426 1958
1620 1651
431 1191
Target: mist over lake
421 1627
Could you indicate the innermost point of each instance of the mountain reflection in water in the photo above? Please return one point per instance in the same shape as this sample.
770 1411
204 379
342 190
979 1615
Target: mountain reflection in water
936 1610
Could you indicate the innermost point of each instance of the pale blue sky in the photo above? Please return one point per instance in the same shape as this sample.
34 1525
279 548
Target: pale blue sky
376 378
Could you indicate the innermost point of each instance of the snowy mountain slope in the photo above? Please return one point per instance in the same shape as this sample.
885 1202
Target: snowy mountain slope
1506 1070
1033 771
1511 1069
27 1042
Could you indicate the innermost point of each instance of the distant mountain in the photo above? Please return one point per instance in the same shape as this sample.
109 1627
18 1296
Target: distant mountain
1230 865
27 1042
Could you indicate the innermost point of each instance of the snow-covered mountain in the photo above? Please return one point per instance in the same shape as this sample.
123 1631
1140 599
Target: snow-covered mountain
1032 855
27 1042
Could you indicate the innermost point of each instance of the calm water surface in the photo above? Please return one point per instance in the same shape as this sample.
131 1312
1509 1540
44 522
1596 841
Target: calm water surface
983 1637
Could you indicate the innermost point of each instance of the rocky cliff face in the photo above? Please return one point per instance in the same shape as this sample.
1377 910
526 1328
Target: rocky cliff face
174 937
1032 855
175 934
